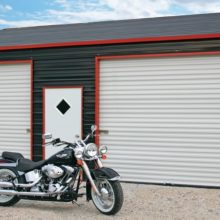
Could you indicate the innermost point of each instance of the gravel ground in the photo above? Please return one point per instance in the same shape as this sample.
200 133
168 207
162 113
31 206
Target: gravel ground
141 202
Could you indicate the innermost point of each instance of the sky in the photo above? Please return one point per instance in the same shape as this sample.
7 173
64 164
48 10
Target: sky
23 13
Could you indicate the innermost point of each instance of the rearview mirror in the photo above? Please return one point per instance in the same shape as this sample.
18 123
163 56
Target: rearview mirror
46 136
93 128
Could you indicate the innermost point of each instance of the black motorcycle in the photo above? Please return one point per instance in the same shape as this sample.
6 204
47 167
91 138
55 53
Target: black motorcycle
60 177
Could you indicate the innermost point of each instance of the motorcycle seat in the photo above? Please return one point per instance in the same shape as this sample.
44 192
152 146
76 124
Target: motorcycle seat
26 165
12 156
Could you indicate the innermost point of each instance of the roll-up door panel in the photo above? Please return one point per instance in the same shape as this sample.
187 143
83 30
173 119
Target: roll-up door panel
163 118
15 101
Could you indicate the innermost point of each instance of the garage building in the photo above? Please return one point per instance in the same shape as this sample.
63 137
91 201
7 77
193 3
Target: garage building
151 85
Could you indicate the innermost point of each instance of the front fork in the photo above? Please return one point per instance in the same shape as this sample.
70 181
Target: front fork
88 174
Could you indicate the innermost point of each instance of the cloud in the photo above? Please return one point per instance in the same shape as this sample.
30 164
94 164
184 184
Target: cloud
64 4
69 11
5 8
202 6
139 8
24 23
100 10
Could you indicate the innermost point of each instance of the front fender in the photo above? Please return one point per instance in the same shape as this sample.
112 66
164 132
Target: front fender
103 172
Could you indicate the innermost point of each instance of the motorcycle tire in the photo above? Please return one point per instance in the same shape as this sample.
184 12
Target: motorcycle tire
111 199
4 199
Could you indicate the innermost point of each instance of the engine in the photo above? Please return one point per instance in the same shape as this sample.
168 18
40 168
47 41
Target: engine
52 171
51 178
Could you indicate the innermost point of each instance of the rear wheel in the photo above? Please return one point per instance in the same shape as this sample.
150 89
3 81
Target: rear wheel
111 199
6 175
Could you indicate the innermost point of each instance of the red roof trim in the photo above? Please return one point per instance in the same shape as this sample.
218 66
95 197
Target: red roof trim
113 41
7 62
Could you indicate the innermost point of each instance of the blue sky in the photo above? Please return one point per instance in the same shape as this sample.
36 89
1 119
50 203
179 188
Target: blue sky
22 13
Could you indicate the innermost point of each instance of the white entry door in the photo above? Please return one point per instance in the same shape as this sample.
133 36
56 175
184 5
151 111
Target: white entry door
62 114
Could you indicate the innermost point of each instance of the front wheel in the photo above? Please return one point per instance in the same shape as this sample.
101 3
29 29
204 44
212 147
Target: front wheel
111 199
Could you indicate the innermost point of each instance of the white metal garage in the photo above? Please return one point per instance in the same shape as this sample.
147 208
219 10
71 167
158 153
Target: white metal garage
163 118
15 102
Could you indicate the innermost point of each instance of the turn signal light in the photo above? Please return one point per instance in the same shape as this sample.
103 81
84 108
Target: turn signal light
79 162
104 157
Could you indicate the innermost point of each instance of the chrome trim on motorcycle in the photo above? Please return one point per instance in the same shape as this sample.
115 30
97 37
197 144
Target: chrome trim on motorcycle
16 193
115 178
86 170
99 163
8 164
22 185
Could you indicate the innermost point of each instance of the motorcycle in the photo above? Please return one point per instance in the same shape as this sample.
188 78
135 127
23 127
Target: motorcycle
60 178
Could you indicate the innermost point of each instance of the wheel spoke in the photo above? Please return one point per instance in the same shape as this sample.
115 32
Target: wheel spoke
5 176
106 201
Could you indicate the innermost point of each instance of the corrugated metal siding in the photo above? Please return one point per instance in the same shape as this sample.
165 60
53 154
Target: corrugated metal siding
76 66
163 118
15 108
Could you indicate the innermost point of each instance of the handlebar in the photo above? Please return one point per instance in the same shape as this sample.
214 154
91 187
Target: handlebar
58 142
53 142
89 135
78 140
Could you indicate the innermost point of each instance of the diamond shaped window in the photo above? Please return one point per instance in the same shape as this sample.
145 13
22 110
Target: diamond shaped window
63 106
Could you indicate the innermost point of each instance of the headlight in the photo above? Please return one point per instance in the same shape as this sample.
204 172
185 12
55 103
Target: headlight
78 153
90 150
103 149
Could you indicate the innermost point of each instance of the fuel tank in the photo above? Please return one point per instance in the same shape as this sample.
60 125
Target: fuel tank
63 157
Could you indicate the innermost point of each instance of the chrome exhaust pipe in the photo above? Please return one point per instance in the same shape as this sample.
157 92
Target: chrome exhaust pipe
22 185
16 193
42 194
6 184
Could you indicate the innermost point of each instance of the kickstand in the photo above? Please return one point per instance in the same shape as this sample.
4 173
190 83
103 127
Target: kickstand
74 202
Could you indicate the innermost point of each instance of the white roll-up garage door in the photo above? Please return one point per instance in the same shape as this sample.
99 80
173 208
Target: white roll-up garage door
15 101
163 119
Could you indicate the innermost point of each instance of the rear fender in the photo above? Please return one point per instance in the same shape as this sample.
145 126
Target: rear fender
4 163
11 165
103 172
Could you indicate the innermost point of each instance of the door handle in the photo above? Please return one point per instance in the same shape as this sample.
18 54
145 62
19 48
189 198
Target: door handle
28 130
103 131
